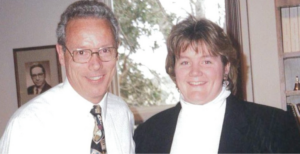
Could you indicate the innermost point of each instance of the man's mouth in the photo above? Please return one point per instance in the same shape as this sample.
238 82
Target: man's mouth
96 77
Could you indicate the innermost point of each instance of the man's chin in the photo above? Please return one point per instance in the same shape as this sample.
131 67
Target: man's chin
38 85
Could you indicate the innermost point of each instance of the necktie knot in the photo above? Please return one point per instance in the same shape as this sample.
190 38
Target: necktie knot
96 110
36 90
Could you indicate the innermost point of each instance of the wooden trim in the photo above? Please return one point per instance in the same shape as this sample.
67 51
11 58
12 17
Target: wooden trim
286 3
281 55
114 85
292 93
291 55
233 28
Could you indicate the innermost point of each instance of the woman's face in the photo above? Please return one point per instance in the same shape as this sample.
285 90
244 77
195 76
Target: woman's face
199 75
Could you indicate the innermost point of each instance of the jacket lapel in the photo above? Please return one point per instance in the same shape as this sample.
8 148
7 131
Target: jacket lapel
169 131
234 127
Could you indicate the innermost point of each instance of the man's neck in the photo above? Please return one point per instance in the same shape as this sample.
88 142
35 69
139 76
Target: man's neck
41 86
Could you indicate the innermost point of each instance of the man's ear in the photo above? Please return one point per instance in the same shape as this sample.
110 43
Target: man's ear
61 55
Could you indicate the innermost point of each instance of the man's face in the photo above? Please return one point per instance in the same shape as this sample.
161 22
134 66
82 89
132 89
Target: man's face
92 79
38 76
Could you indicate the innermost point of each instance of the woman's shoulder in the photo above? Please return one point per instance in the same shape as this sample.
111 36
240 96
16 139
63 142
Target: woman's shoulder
157 131
166 117
252 109
165 114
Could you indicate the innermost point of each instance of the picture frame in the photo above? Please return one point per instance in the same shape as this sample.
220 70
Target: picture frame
37 69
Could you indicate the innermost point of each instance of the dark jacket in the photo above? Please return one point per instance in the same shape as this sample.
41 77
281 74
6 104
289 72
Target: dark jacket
247 128
31 88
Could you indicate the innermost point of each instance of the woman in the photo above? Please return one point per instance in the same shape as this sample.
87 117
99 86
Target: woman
209 119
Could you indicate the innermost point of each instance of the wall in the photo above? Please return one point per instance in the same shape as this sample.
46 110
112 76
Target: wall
33 22
264 52
24 23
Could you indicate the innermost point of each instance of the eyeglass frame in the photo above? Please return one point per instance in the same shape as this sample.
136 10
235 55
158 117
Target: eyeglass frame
39 75
91 53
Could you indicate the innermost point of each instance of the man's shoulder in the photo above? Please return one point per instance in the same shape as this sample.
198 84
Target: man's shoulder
30 89
47 86
41 103
33 111
116 103
114 99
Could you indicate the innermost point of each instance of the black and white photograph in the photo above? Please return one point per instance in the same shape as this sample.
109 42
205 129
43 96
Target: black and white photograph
37 69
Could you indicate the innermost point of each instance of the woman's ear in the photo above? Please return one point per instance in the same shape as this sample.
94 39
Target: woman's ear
227 68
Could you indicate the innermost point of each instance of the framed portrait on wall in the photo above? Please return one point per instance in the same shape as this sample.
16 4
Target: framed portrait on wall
37 69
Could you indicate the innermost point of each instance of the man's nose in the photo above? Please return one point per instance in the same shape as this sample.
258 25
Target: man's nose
95 62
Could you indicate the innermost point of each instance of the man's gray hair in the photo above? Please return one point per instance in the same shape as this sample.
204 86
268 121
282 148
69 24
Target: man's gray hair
86 9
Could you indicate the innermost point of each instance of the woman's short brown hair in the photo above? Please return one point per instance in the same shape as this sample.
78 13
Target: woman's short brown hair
194 32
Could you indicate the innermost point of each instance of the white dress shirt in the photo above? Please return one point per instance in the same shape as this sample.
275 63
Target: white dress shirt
199 127
59 122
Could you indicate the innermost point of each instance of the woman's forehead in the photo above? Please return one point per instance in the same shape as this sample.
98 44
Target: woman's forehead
199 48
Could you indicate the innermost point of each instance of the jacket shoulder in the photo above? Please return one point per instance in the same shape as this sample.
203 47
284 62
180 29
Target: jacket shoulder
156 134
251 107
267 128
163 116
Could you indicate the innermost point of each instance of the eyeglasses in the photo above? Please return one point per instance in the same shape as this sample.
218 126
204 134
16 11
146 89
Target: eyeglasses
84 55
37 75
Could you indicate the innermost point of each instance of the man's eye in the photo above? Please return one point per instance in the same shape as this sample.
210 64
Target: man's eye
81 52
105 50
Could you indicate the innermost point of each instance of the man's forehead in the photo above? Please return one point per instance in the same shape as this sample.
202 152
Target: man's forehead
37 69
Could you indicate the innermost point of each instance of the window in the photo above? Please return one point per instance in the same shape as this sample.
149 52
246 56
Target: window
145 25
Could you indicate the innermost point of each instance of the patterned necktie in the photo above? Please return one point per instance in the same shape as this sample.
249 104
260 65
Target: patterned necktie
98 143
36 90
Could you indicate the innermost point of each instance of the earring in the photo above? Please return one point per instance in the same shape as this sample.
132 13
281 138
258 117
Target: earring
225 80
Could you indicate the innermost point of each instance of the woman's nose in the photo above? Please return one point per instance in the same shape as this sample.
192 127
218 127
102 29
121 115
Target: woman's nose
195 70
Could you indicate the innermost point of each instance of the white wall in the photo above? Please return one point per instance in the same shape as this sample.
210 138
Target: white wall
29 23
264 52
23 23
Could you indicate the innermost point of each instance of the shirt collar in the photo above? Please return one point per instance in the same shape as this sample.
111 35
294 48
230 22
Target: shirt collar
103 104
215 103
80 104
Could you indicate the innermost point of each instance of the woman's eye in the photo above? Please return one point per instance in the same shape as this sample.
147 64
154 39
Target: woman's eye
184 63
207 62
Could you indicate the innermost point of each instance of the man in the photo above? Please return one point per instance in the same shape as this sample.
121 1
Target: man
59 120
38 76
